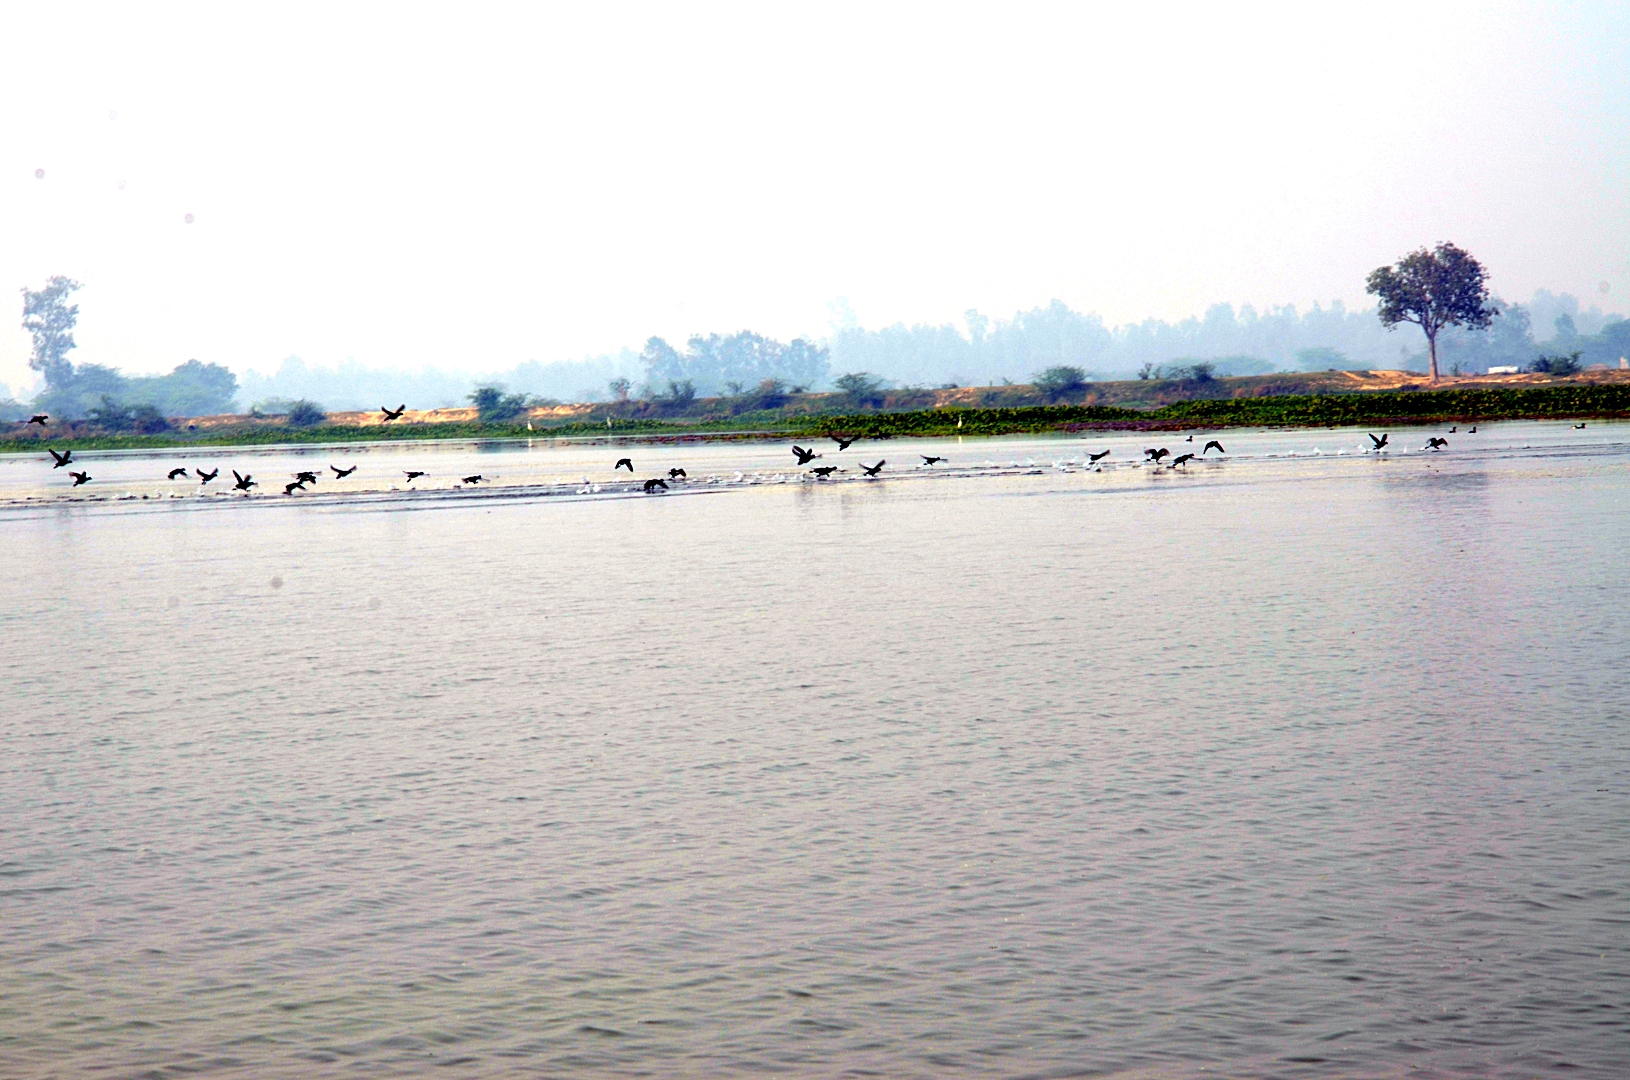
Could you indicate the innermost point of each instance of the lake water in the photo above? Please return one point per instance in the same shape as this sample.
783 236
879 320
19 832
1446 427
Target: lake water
1305 763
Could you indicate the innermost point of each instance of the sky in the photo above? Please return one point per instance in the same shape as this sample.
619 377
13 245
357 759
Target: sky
473 186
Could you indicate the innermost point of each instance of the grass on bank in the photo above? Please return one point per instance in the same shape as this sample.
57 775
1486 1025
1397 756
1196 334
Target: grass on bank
1375 408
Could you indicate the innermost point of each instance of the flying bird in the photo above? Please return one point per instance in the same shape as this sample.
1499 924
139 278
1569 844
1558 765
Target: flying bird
823 471
1157 454
674 474
804 456
62 458
1436 443
843 444
290 489
306 477
412 476
1182 459
389 416
39 418
80 478
872 470
623 461
177 472
245 482
1098 456
1382 441
476 479
341 474
930 460
1212 443
654 483
206 477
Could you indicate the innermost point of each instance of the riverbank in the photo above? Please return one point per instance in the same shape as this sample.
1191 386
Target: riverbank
1576 399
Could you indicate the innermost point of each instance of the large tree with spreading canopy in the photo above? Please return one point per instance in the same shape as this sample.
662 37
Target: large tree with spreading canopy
1435 288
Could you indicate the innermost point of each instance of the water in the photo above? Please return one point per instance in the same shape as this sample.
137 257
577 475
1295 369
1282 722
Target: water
1291 766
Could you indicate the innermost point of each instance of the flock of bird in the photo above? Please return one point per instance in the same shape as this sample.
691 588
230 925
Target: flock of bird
804 455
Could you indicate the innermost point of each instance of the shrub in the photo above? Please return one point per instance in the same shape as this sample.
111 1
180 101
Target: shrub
494 406
1058 383
862 389
305 413
1556 365
112 415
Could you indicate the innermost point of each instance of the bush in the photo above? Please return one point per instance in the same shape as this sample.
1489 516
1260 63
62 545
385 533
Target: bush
116 416
494 406
769 394
677 398
1058 383
305 413
862 389
1556 365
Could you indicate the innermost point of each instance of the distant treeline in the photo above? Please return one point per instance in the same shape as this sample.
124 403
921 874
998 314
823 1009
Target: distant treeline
82 390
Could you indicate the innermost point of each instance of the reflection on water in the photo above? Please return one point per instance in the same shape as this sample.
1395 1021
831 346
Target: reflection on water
1296 766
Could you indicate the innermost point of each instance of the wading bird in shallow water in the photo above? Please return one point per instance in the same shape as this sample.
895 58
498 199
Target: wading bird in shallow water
80 478
843 444
206 477
675 474
1212 443
804 456
654 483
389 416
823 471
623 462
290 489
245 482
872 470
1381 442
341 474
1435 443
39 418
62 458
930 460
476 479
177 472
412 476
1182 459
1155 454
1099 456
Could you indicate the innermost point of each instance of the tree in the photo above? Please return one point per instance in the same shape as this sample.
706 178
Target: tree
861 388
1433 289
619 388
1058 383
304 413
49 317
493 406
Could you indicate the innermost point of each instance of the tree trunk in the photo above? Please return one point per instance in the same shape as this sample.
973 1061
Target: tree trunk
1432 350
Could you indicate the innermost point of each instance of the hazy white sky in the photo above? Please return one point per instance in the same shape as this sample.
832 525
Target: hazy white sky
472 186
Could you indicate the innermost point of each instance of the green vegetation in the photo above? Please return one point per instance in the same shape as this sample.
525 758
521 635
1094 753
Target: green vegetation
131 428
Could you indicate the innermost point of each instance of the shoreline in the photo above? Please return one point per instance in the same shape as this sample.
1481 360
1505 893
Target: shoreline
1581 400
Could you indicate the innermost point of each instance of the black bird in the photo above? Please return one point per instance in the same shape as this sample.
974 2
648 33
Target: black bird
1451 429
872 470
930 460
341 474
1157 454
62 458
290 489
39 418
804 456
306 477
80 478
206 477
389 416
1212 443
843 444
674 474
623 461
1382 441
1579 427
177 472
1189 439
244 482
824 471
1099 455
412 476
1182 459
654 483
476 479
1471 430
1435 443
